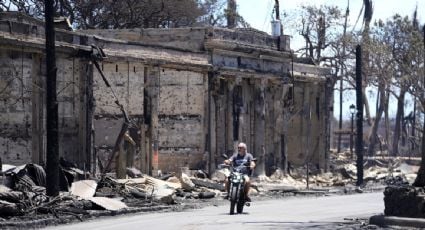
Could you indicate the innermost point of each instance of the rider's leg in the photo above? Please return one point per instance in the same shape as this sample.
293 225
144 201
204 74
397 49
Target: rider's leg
226 187
247 187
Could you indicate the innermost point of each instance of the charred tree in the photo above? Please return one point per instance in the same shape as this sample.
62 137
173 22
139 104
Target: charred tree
341 85
420 179
373 138
231 14
367 18
52 154
398 120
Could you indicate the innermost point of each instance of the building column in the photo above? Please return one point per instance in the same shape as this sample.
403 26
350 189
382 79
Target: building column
259 123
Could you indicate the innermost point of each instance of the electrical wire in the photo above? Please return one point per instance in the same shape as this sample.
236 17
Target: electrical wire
269 5
358 18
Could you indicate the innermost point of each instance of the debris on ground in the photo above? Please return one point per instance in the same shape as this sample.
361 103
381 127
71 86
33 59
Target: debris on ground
23 192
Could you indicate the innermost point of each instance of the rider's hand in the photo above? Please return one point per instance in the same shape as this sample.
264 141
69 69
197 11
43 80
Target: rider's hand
226 162
252 166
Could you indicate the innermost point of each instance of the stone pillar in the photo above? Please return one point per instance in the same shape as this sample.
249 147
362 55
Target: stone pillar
230 141
259 123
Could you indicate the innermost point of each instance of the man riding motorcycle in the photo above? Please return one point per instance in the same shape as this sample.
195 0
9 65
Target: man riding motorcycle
242 157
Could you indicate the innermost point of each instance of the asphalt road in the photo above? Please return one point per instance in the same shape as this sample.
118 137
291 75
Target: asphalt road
294 213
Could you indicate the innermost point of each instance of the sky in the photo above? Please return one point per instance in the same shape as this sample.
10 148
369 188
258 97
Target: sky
258 13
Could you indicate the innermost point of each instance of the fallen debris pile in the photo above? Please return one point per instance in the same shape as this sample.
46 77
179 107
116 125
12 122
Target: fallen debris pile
23 192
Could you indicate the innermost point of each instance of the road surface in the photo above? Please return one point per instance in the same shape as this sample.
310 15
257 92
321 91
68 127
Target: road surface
294 213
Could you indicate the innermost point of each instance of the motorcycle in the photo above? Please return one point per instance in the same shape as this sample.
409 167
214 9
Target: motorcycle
236 188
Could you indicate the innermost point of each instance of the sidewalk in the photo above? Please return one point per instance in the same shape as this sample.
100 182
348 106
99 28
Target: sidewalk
383 221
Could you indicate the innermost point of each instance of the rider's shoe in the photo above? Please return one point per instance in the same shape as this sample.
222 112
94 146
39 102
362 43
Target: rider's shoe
247 199
226 197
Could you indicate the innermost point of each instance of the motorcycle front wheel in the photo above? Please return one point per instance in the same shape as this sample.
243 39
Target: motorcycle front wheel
241 201
233 199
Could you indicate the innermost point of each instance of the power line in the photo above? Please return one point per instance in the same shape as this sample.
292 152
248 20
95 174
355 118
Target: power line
358 17
269 6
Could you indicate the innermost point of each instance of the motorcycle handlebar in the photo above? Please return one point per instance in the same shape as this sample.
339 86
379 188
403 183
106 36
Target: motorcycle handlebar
231 166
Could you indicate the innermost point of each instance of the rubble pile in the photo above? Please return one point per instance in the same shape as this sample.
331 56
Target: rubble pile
23 194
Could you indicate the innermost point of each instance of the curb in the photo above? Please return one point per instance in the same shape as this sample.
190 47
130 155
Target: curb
383 221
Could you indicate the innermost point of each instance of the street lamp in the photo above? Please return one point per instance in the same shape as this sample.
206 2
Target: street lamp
352 111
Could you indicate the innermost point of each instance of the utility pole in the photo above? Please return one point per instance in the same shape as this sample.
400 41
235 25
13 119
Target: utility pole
231 14
52 152
359 117
277 10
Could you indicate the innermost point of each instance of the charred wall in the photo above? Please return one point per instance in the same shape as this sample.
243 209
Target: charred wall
181 119
127 86
238 114
22 107
306 128
191 94
174 101
15 106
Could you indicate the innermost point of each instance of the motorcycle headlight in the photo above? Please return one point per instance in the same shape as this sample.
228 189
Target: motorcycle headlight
236 178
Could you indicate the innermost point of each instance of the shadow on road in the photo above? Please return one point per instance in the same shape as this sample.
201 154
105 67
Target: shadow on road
227 214
302 225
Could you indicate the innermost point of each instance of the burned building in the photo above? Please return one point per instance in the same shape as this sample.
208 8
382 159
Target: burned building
190 95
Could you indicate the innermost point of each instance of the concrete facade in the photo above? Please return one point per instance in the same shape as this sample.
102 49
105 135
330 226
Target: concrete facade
191 94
